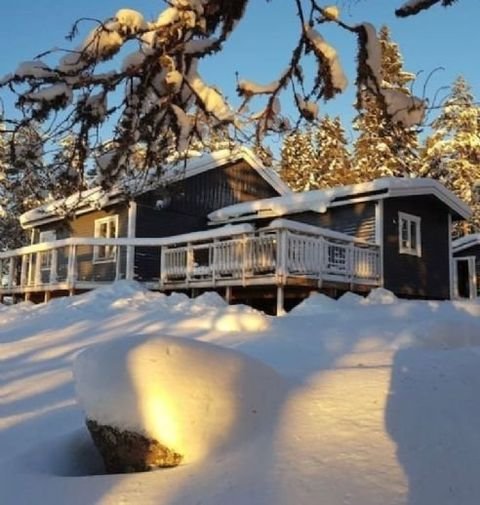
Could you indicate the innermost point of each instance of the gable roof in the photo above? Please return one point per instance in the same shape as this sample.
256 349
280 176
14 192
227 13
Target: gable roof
321 200
97 198
465 242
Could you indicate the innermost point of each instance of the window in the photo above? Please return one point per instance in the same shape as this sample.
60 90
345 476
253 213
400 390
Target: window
106 227
46 257
409 234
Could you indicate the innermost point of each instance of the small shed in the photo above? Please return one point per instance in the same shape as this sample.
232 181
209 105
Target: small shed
466 266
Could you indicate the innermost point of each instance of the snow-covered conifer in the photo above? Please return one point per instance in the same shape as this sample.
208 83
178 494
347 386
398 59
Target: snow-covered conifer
154 92
385 147
334 165
317 157
23 185
452 152
298 159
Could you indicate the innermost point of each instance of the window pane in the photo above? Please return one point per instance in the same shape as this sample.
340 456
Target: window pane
112 230
404 233
413 235
105 228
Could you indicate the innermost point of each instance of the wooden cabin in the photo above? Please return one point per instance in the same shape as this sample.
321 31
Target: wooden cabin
227 223
466 266
408 220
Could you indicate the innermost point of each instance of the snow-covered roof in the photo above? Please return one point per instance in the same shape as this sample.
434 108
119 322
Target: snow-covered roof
95 198
465 242
321 200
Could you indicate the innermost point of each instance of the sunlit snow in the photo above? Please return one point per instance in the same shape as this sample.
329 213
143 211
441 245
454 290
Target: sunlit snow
370 401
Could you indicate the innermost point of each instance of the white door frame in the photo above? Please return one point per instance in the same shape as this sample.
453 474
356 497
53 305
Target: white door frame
472 277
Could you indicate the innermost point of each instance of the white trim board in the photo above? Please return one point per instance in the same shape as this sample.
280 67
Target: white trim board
465 242
321 200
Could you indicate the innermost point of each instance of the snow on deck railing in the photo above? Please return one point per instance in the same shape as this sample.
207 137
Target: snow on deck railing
233 255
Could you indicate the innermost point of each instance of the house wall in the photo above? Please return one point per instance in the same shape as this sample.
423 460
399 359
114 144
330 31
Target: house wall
406 275
357 220
187 204
84 226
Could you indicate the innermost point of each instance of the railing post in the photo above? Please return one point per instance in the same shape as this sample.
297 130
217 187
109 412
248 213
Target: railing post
38 269
53 266
72 266
190 261
214 261
244 259
163 270
351 261
321 256
30 270
117 262
282 255
11 272
130 263
24 271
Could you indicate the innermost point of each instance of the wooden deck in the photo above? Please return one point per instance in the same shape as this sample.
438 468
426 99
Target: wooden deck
285 254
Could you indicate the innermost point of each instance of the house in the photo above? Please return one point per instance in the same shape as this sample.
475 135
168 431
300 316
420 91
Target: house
466 266
409 220
228 224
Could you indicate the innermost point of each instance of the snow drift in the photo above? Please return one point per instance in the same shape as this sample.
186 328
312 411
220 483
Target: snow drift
379 401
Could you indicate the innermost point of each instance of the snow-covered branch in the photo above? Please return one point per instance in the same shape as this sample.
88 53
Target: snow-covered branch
153 100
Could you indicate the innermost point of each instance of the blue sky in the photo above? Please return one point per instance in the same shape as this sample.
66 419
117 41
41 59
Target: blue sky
260 48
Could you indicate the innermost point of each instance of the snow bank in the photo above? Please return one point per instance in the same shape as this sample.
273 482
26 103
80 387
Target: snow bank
381 296
315 304
193 397
381 403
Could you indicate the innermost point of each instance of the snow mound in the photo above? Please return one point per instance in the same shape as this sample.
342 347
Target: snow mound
381 296
193 397
237 318
210 299
316 303
119 290
351 299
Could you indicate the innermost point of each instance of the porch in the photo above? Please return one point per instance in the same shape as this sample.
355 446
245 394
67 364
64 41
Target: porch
284 254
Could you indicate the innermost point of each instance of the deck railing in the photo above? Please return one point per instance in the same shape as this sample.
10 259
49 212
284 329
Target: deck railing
236 255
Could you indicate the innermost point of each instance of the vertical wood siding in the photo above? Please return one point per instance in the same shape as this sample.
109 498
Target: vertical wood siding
357 220
426 276
189 202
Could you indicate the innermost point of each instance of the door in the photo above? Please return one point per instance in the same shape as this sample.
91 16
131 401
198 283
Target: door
465 281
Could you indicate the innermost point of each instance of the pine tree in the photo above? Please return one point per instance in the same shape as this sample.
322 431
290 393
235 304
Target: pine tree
22 186
385 147
333 160
298 159
452 152
317 157
154 88
11 234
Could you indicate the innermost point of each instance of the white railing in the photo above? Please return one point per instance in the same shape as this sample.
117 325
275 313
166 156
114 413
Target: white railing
236 255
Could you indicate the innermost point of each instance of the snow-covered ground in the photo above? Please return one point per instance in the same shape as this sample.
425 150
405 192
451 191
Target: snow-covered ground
377 401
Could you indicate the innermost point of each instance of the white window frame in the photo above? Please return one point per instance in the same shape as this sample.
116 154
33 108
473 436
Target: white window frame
46 257
110 255
409 249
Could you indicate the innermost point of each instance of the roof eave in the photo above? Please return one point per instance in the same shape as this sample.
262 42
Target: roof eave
230 156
